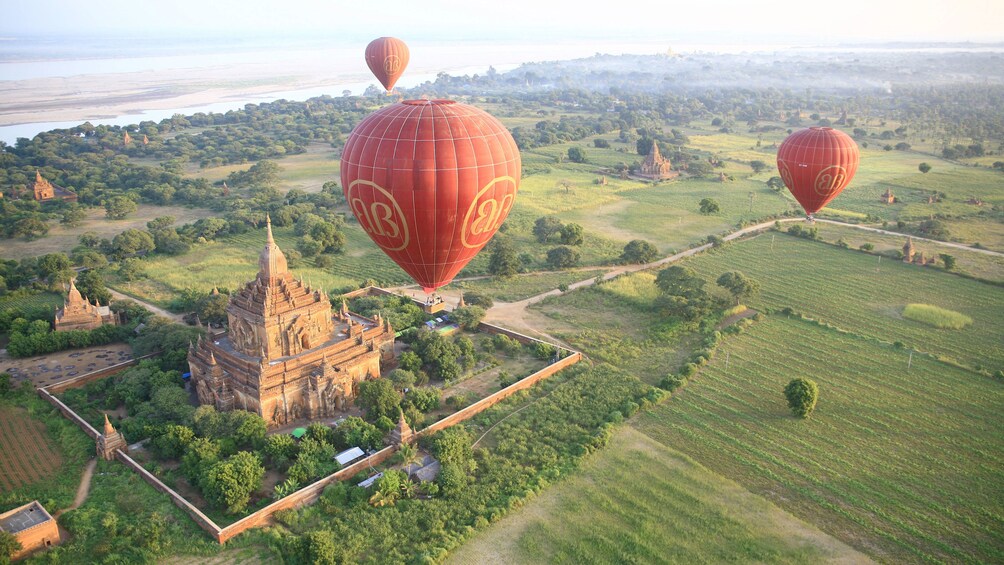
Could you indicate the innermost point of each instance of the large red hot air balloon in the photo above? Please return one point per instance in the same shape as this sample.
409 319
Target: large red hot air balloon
430 181
387 57
816 164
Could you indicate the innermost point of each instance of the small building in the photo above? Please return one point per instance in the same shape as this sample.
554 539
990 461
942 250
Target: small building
79 314
888 197
44 191
32 526
349 455
402 433
657 167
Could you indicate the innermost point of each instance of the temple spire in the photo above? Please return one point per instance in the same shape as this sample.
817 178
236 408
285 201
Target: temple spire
271 263
109 430
74 295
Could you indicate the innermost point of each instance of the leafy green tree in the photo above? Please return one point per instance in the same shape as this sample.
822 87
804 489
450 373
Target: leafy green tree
281 449
935 229
356 432
168 242
6 385
54 269
231 482
212 308
576 155
410 361
118 207
30 228
173 442
472 298
9 545
741 286
132 242
562 257
320 548
201 454
503 262
801 394
948 261
682 292
92 285
161 222
758 166
924 168
545 227
639 251
246 428
378 398
775 184
73 216
571 234
402 379
468 317
709 206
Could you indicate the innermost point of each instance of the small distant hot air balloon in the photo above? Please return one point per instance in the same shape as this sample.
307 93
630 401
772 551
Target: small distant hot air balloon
430 181
816 164
387 57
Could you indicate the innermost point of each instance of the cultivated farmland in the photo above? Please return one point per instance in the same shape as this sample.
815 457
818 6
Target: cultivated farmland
26 455
901 461
852 291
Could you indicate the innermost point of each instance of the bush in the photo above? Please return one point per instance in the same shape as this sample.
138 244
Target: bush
801 395
672 382
562 258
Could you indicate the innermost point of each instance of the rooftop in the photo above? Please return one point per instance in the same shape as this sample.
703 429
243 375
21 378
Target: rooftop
27 516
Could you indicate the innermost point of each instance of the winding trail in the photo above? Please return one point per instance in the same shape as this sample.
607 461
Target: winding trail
158 311
513 315
84 489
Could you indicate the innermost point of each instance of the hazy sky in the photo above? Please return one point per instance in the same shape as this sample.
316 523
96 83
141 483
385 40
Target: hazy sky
691 21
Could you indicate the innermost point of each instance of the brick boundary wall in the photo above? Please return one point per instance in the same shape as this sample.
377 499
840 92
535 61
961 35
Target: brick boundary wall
201 519
81 380
70 414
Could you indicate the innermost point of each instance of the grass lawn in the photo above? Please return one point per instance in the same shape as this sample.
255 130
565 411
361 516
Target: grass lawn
640 501
843 288
903 463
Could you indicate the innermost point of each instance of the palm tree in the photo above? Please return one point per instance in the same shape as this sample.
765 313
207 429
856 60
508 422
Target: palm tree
409 457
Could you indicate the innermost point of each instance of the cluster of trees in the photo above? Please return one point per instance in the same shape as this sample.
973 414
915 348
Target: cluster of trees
38 338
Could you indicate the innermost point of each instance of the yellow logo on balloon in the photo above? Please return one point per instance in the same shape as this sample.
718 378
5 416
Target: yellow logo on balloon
382 217
392 64
484 216
830 179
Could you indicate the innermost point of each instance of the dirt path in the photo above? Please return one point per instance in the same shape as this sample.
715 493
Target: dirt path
158 311
83 489
935 241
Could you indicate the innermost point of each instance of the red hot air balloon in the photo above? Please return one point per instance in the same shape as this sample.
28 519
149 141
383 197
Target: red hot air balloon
430 181
387 57
816 164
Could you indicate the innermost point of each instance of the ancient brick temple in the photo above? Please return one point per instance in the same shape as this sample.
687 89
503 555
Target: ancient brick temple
43 190
287 356
79 314
655 166
32 526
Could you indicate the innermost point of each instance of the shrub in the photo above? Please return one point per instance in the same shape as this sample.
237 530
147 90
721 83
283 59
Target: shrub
672 382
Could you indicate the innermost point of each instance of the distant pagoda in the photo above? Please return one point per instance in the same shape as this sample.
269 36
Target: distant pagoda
79 314
655 166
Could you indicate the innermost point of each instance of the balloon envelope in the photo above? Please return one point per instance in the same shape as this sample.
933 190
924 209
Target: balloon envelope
387 57
430 181
816 164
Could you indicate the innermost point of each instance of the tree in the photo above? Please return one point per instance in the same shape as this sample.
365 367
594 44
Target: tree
92 285
576 155
73 216
132 242
409 361
473 298
924 168
212 308
229 483
601 143
320 548
118 207
378 398
948 260
682 292
801 394
935 229
173 442
131 269
9 545
545 227
571 234
739 285
409 456
280 448
709 206
562 257
468 317
639 251
775 184
758 166
356 432
503 262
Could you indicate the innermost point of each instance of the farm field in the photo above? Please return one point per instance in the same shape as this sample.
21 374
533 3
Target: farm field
625 499
43 300
843 288
27 456
63 238
902 462
523 286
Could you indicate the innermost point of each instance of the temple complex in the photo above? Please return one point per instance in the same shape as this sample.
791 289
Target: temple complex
79 314
655 166
44 190
286 357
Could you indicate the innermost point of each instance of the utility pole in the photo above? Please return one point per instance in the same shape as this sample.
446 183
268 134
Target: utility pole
727 355
909 363
752 194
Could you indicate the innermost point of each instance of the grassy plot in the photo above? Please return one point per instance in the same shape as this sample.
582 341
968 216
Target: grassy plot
524 286
937 317
850 290
640 501
41 301
901 461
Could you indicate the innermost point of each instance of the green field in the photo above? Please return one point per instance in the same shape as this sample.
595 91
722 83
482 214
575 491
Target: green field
852 291
901 461
521 287
41 301
639 501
